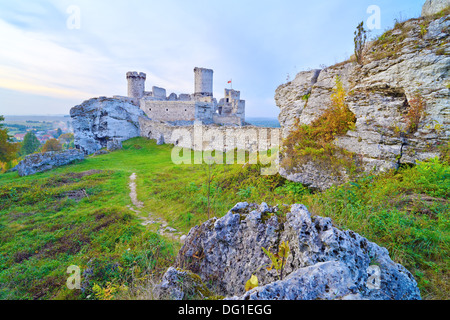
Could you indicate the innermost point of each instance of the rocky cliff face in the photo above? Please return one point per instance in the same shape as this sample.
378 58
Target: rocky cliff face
105 122
324 262
432 7
407 66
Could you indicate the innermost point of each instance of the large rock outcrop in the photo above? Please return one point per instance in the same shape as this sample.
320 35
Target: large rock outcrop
324 262
432 7
407 64
105 122
40 162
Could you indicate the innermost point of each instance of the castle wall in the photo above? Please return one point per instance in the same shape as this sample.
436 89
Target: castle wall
169 110
227 120
159 93
210 137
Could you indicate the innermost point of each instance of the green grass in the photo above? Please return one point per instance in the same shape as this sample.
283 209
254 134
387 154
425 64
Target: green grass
47 222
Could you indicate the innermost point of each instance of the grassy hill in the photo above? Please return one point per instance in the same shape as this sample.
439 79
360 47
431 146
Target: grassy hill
80 215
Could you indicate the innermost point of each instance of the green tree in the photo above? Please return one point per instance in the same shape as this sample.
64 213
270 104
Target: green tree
360 42
57 133
30 144
52 145
8 149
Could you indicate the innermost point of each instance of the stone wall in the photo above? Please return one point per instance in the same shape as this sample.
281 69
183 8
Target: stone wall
201 137
227 120
169 110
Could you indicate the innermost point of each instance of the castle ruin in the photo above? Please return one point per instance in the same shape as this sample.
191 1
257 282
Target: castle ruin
199 106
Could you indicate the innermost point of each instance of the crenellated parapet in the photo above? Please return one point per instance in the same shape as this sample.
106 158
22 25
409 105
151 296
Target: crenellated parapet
136 84
201 105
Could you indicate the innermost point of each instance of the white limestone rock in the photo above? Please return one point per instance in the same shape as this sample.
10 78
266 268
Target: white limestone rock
324 262
40 162
379 93
105 122
432 7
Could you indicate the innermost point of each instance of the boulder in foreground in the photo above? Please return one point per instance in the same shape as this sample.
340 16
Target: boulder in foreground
324 262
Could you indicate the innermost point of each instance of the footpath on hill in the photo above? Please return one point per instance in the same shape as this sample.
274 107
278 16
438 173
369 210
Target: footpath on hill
164 228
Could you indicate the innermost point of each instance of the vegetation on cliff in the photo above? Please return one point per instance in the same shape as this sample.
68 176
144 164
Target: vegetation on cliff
315 141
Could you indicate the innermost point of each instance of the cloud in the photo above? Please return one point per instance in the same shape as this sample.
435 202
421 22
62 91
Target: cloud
254 42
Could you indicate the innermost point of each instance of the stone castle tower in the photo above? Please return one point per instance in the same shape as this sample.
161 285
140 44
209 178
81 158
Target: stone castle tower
203 82
136 84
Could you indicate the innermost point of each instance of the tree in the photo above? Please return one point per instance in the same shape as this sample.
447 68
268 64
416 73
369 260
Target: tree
360 42
67 139
8 149
52 145
30 144
57 133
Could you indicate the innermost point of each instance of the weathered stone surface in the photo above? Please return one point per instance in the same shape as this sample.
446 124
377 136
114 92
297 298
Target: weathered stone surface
114 145
40 162
105 122
434 6
324 263
180 285
379 93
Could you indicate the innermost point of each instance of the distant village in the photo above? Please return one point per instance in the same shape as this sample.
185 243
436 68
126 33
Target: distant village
44 130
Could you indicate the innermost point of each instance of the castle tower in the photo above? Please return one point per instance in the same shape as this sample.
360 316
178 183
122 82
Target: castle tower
136 84
203 82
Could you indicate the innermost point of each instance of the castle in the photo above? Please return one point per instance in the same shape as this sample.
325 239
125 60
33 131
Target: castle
199 106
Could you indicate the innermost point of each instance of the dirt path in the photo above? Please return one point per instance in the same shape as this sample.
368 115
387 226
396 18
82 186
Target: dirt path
164 228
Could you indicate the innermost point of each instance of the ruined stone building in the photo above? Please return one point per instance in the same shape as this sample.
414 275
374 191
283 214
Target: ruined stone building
201 105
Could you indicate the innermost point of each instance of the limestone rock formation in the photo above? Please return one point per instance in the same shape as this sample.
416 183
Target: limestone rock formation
406 65
40 162
434 6
324 262
105 122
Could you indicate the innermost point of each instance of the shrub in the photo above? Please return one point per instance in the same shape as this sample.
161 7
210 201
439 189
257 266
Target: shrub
415 113
315 141
360 42
52 145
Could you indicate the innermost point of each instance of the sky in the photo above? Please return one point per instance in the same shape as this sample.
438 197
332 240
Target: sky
56 54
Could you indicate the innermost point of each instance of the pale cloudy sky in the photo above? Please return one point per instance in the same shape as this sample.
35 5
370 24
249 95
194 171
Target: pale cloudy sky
47 66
